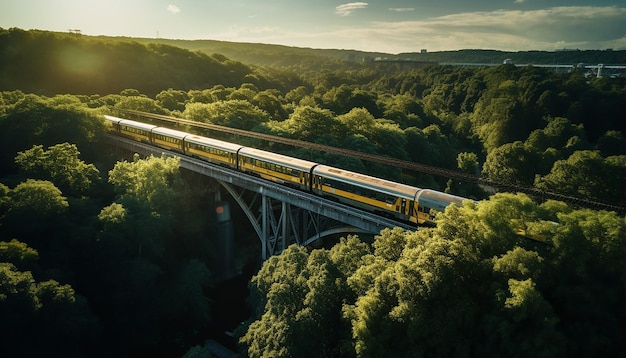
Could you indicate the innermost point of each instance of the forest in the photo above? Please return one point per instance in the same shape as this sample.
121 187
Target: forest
103 254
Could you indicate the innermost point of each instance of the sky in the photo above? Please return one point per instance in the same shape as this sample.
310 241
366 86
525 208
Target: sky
388 26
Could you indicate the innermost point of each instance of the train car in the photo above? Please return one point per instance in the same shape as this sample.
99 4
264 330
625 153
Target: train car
276 167
430 200
113 123
212 150
377 195
169 139
374 194
138 131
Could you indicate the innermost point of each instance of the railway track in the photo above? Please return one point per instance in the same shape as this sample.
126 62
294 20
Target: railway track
412 166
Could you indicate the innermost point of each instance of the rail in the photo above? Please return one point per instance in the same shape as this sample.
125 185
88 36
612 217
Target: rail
347 214
416 167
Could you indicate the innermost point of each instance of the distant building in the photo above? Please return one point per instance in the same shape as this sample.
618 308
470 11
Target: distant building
508 61
423 50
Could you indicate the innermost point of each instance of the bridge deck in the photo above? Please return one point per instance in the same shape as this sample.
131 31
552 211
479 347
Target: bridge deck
363 220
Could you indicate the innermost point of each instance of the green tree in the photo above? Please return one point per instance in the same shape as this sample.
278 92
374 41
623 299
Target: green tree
300 293
59 164
140 103
173 100
612 143
148 190
297 94
358 121
37 214
271 102
502 115
556 134
38 197
430 146
281 284
390 243
513 163
18 253
467 162
42 317
404 109
153 181
232 113
418 302
310 124
587 174
33 120
389 139
526 323
584 278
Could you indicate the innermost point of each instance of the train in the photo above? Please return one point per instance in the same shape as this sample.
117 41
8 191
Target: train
380 196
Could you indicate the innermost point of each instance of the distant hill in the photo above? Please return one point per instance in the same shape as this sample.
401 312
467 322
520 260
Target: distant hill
277 55
562 57
48 63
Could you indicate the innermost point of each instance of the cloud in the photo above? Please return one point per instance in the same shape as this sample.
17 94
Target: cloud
173 9
570 24
519 1
349 8
549 29
249 33
401 9
585 27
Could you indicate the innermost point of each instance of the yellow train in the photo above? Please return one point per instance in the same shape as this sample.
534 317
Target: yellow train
380 196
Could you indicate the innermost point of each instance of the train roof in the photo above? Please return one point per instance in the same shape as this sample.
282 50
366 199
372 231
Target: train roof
277 158
139 125
213 143
170 132
366 181
112 119
437 200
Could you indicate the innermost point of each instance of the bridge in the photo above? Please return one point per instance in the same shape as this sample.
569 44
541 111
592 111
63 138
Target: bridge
599 70
280 215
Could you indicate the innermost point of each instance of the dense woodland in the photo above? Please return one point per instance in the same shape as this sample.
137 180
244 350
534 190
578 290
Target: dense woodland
101 256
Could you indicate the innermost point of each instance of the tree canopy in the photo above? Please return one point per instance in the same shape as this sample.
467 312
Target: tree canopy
470 286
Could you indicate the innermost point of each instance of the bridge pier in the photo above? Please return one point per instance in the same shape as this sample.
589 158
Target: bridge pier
224 233
279 223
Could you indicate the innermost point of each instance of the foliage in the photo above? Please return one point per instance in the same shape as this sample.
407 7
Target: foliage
51 63
17 253
33 120
513 163
470 286
113 256
31 310
587 174
38 198
61 165
301 293
151 182
231 113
